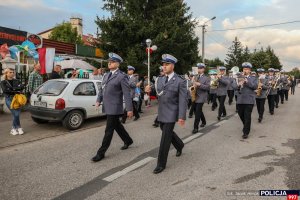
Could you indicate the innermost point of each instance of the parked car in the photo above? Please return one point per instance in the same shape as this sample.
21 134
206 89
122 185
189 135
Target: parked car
70 101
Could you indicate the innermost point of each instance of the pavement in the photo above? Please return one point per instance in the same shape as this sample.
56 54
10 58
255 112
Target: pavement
216 163
34 131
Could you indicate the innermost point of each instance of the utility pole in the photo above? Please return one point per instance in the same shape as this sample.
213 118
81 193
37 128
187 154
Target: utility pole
203 32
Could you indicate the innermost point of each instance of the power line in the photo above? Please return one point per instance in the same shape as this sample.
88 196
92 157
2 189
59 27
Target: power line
209 36
252 27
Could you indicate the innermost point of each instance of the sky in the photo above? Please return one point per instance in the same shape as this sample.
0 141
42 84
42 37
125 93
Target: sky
38 15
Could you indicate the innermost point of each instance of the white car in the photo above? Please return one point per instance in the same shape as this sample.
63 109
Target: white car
70 101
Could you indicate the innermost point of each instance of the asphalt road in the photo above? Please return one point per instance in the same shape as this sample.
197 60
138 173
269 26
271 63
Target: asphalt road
214 162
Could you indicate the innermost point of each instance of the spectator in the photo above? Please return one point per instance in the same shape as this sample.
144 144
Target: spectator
35 79
147 95
10 87
56 72
97 74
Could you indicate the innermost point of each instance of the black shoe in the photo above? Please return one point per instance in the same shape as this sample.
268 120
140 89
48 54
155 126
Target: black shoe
178 153
158 170
212 109
190 116
126 146
136 118
219 118
155 125
276 106
195 131
202 125
123 121
272 113
245 136
282 102
259 120
97 158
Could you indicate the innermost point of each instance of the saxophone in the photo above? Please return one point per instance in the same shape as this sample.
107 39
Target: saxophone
193 91
214 82
259 88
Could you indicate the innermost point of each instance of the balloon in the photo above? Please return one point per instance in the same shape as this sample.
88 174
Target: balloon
147 49
154 47
13 52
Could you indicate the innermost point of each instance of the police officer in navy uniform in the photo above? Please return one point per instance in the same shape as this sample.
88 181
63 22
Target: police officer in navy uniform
246 98
222 91
172 107
261 97
272 92
202 85
114 86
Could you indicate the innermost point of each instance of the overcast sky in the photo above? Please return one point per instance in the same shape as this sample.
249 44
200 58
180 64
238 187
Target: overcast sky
38 15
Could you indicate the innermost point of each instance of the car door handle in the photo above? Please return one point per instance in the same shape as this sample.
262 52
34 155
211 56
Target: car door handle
93 105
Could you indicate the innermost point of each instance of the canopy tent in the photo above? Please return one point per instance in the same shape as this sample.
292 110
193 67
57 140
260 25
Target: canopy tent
75 64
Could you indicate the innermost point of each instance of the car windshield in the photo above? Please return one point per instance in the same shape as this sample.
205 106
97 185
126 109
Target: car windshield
51 88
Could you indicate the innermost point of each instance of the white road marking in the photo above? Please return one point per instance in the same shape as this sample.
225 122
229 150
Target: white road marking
128 169
186 140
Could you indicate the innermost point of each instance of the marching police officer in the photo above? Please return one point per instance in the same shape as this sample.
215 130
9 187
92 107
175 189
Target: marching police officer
133 83
213 90
172 107
230 90
114 86
161 74
246 98
222 91
272 92
285 87
261 93
202 85
278 87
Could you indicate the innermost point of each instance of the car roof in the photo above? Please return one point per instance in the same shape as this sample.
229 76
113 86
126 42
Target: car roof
75 80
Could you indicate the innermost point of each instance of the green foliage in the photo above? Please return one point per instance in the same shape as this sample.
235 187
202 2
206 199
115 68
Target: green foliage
295 72
65 33
168 23
237 54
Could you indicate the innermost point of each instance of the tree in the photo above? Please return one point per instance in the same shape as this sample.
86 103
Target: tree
274 60
246 54
168 23
295 72
65 33
214 63
235 54
260 59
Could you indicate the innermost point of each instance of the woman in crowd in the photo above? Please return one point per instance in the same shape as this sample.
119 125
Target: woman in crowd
11 87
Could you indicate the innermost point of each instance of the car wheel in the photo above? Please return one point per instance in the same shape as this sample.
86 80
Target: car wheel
73 120
39 121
